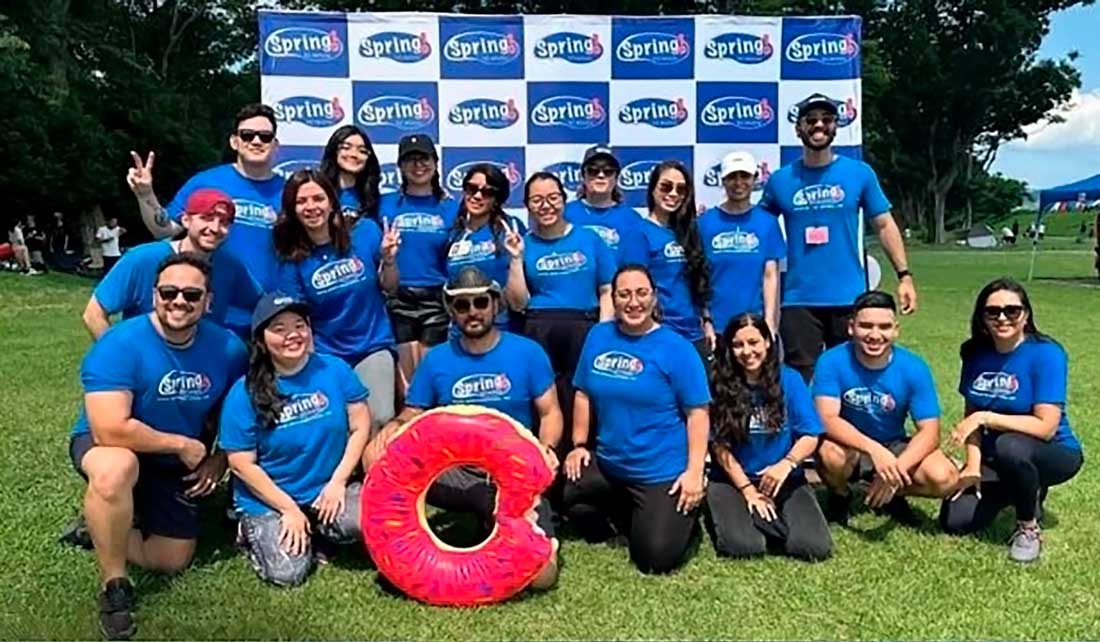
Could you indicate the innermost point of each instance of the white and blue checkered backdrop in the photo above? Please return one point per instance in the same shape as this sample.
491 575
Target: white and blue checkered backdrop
532 92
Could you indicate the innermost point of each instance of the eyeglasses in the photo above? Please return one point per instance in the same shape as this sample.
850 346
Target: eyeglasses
676 189
824 120
538 201
1010 312
417 159
594 171
249 135
168 293
485 191
462 306
348 147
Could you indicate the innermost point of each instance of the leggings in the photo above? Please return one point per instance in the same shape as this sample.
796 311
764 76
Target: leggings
561 333
376 371
659 535
1025 467
799 526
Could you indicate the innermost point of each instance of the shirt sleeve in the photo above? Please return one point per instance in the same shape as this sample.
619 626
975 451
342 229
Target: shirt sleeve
116 292
421 392
769 202
826 378
801 414
237 430
350 386
873 200
539 370
687 376
110 365
1049 374
605 261
924 402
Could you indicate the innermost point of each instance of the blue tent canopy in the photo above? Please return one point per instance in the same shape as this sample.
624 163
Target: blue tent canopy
1085 189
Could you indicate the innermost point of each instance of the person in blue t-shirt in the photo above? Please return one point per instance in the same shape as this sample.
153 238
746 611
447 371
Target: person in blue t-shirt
341 274
350 163
743 245
600 208
128 287
143 441
1016 430
651 414
486 237
294 427
865 390
483 366
764 426
567 271
823 199
250 181
675 257
423 213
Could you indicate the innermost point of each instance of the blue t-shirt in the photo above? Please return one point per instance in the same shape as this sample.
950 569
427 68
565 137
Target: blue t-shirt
823 210
174 389
876 402
618 226
479 249
640 388
424 224
566 273
303 449
765 448
738 246
347 309
1035 372
257 204
128 287
668 265
507 378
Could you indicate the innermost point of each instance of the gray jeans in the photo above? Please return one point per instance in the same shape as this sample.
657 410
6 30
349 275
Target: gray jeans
377 373
273 564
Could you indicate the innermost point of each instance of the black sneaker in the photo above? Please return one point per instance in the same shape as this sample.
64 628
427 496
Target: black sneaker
901 512
76 534
115 603
837 508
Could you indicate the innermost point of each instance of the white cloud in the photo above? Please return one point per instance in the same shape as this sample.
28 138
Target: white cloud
1080 129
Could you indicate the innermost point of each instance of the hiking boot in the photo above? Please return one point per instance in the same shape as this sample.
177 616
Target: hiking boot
837 508
901 512
115 604
76 534
1026 543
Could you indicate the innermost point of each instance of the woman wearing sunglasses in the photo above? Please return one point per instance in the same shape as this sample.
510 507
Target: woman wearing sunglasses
485 237
350 164
674 255
652 421
764 425
341 275
295 427
1016 427
600 208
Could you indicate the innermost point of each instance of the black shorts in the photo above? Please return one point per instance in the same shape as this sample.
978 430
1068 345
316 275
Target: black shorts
809 331
865 468
418 314
160 506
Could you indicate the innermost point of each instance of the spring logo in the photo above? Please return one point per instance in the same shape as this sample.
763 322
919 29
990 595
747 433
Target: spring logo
336 274
818 194
869 400
745 48
481 386
635 176
740 112
304 43
996 384
654 47
735 242
485 112
253 213
569 46
673 251
458 173
310 111
661 113
713 175
569 173
561 262
609 235
823 48
401 112
391 178
571 112
620 365
418 222
303 407
288 167
183 384
397 46
484 47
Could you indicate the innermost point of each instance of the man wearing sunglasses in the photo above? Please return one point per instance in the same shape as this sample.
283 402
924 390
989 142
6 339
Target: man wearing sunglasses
255 189
152 386
823 199
128 288
489 367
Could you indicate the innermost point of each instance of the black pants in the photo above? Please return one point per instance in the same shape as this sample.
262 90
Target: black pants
469 491
799 527
702 346
1024 468
561 333
109 262
659 535
807 332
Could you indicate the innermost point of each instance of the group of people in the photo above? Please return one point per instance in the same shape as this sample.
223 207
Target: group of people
284 331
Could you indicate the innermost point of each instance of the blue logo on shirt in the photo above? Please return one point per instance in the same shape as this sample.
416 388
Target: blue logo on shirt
183 384
471 252
609 235
303 407
253 213
654 47
673 251
561 263
486 112
735 241
569 46
568 172
309 110
996 384
657 112
740 112
418 222
635 176
818 195
869 400
846 112
304 43
620 365
391 177
572 112
485 47
338 273
403 112
397 46
823 48
745 48
481 386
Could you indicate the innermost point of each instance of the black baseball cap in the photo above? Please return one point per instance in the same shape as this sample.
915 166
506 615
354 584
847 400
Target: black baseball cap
817 101
416 144
272 305
471 281
600 151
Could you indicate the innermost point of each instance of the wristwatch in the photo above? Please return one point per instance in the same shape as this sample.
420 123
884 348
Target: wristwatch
904 273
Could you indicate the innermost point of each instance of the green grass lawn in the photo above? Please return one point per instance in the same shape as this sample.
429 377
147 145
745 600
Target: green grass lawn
884 582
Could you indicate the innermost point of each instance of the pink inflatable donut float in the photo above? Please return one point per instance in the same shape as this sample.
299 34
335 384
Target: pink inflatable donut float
394 523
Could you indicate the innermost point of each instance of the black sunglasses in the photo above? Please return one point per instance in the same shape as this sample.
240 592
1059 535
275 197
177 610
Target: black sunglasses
462 306
594 171
676 189
824 120
1011 312
486 191
249 135
168 293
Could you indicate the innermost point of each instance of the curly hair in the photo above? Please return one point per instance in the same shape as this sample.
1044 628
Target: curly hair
683 224
735 400
259 381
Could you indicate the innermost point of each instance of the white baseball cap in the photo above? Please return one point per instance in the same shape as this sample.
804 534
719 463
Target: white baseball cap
738 162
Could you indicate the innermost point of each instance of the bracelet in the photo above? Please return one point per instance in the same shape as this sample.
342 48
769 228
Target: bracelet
794 464
741 488
580 444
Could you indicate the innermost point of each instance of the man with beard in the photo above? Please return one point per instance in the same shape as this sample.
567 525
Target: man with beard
489 367
152 385
823 198
128 287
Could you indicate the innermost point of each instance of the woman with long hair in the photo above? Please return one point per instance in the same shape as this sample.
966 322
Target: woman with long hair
349 163
423 214
643 477
295 427
599 206
1016 427
341 274
485 236
764 424
675 257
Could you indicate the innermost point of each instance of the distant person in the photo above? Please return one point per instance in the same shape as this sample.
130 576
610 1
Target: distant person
1015 229
108 236
19 249
1008 237
36 244
1081 232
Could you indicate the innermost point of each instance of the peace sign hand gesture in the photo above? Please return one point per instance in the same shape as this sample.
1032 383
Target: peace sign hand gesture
140 176
391 242
513 240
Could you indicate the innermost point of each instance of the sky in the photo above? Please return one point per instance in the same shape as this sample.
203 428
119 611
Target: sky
1063 153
